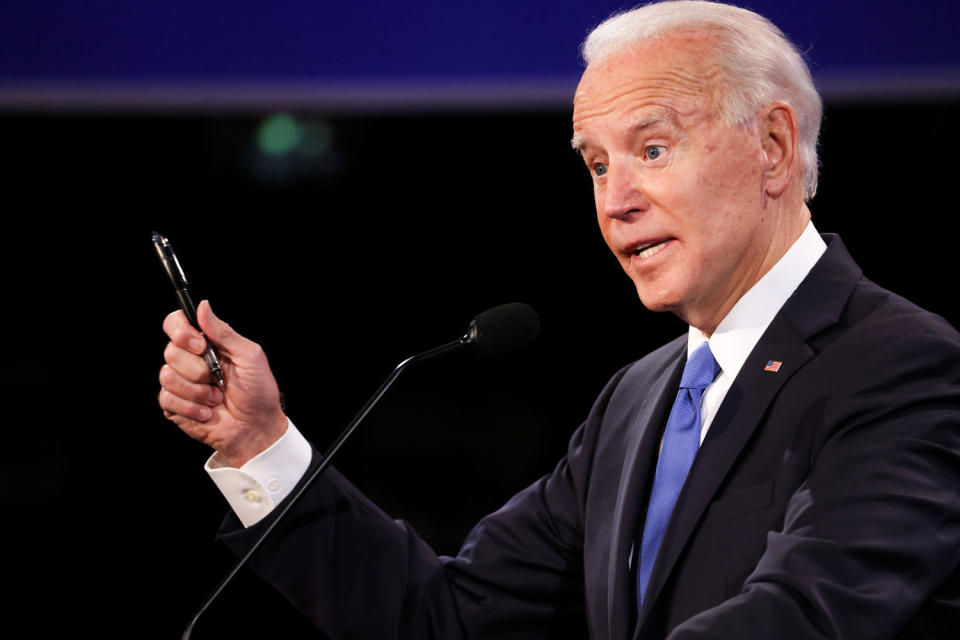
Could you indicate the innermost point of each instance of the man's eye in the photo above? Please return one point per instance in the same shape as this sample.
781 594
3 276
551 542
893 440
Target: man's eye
652 153
600 169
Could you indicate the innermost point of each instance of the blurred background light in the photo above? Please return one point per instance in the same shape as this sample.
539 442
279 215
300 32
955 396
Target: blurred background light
279 134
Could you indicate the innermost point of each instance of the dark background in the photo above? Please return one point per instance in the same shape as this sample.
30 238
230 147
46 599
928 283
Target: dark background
389 216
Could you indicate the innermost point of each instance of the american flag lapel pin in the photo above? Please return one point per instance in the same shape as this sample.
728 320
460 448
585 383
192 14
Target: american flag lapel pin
773 365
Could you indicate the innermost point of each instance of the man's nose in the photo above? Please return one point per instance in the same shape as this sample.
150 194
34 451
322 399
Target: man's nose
623 193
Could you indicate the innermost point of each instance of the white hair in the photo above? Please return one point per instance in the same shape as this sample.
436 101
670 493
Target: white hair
760 65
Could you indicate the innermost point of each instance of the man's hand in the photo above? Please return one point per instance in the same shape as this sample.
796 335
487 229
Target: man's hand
238 421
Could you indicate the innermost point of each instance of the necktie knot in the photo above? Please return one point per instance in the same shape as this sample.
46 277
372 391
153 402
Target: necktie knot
700 370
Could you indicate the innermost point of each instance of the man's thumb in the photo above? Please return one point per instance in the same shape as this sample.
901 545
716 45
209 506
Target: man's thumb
223 337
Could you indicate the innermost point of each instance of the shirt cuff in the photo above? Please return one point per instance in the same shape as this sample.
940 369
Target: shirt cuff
263 482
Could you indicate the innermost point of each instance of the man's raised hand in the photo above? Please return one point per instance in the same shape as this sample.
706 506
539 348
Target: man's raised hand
240 420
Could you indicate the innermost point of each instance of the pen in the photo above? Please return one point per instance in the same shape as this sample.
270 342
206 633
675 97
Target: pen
179 282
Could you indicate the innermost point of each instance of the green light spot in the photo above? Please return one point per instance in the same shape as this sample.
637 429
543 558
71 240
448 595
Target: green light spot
278 134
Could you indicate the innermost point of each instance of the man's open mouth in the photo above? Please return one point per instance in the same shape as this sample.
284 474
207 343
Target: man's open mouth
649 249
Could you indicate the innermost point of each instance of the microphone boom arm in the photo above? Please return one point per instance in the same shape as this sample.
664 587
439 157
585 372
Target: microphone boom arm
468 338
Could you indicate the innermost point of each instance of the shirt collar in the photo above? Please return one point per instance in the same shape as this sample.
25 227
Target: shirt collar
741 329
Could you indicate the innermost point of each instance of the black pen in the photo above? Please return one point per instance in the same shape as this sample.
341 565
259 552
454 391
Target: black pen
179 281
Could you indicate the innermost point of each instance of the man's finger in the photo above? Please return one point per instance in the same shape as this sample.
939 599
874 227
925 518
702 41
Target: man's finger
187 364
182 333
174 404
192 391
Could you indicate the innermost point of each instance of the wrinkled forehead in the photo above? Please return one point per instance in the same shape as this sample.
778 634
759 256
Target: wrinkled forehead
675 70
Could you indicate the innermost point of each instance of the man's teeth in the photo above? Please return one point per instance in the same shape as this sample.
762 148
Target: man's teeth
649 250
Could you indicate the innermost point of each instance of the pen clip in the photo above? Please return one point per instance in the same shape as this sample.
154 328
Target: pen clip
176 263
169 260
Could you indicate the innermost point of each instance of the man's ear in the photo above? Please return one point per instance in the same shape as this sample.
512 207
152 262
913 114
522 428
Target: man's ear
778 127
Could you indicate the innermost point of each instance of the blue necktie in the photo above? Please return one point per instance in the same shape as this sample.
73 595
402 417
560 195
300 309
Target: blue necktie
681 439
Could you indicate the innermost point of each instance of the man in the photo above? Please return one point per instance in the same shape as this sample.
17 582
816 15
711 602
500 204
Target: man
789 469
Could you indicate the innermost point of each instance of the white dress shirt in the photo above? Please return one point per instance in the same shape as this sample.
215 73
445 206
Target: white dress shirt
741 329
257 487
263 482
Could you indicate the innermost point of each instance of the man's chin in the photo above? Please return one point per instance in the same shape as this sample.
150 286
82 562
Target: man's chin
656 302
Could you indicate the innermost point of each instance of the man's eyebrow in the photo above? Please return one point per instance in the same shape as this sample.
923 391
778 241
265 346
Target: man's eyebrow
652 119
645 122
577 142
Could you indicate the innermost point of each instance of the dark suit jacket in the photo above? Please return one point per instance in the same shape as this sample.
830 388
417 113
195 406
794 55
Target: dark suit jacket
823 503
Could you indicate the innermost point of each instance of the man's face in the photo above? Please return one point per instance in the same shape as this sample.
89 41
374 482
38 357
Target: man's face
679 194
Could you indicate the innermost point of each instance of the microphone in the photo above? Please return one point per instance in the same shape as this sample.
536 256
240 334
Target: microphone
503 329
494 332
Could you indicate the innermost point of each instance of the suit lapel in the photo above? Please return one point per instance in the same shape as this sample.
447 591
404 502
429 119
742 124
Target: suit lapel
815 305
738 417
641 446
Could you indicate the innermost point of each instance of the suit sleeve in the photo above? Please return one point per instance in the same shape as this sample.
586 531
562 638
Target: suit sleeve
357 573
875 528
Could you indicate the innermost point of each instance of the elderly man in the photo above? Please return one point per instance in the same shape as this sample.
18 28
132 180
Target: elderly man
787 469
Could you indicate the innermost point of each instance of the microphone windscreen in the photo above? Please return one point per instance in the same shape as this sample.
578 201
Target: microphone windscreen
504 328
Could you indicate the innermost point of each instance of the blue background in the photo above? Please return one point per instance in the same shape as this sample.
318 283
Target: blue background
370 42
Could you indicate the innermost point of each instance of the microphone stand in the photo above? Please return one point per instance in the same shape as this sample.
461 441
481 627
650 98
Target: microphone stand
468 338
